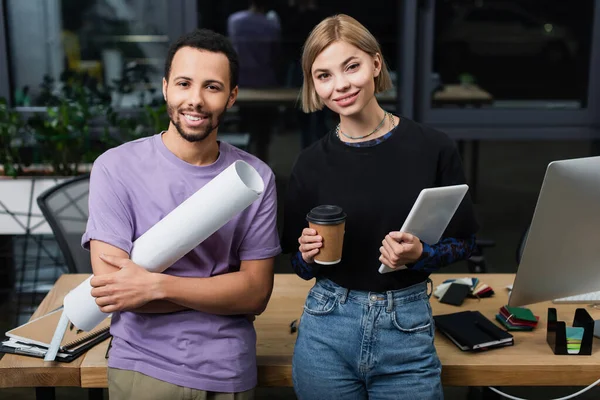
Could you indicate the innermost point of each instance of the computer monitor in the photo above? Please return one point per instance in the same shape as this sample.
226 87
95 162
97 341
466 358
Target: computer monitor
561 256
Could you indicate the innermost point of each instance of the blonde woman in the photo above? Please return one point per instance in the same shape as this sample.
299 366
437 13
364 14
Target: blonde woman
363 334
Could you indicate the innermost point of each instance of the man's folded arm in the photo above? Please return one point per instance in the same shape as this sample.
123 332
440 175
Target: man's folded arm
246 291
100 267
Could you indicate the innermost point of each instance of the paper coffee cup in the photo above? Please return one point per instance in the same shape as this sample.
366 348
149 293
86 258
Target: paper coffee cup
329 221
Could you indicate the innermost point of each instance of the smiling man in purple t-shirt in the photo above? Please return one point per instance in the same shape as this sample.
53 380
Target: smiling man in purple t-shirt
186 330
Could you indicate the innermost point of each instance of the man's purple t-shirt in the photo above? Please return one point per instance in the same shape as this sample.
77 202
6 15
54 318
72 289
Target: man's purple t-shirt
134 186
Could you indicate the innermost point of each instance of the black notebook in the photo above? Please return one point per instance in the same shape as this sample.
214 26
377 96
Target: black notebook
470 330
455 294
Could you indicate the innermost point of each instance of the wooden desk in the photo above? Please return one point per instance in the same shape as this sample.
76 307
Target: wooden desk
287 96
22 371
273 96
530 362
454 94
461 95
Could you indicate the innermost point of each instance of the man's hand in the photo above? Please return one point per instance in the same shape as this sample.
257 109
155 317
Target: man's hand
127 289
400 248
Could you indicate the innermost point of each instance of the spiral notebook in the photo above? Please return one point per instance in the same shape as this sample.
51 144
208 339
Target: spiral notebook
39 332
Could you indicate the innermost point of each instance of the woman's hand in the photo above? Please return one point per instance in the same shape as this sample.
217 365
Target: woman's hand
310 243
400 248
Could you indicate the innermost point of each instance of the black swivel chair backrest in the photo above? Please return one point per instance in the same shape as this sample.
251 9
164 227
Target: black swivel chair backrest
65 207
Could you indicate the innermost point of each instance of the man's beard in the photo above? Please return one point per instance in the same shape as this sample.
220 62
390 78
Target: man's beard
195 137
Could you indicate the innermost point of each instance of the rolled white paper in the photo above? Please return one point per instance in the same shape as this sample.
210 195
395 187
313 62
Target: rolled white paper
81 308
198 217
180 231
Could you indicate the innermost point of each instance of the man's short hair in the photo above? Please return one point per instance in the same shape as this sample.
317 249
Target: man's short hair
205 39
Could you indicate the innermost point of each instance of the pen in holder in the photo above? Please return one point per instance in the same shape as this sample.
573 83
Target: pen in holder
556 335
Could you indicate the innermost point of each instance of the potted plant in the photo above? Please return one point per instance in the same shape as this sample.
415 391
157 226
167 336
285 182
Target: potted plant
79 124
63 140
11 126
66 136
151 120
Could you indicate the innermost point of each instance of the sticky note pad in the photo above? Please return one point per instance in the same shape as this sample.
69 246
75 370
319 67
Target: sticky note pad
524 314
511 327
574 333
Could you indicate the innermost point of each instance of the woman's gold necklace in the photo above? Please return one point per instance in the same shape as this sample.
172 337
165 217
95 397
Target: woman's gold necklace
386 114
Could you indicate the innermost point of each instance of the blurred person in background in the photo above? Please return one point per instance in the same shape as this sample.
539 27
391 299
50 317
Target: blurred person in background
298 18
257 39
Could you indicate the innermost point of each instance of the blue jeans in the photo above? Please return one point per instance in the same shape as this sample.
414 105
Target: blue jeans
364 345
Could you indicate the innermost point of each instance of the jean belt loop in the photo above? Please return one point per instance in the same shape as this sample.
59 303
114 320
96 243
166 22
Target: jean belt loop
429 287
344 295
390 301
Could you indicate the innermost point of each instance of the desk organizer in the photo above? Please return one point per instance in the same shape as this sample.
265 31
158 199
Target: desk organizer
556 335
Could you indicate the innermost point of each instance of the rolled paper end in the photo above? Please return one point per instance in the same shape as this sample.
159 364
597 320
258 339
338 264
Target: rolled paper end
81 308
198 217
249 177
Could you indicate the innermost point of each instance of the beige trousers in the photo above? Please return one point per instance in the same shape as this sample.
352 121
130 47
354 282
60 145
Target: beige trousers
131 385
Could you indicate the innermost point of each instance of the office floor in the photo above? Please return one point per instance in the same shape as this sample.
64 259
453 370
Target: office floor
509 177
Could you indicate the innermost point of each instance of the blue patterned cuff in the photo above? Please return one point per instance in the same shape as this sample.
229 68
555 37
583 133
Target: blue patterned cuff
428 253
302 269
445 252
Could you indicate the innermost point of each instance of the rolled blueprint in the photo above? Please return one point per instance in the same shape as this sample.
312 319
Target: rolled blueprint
180 231
81 308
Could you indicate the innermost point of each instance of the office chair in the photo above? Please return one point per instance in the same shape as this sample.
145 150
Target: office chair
65 207
476 263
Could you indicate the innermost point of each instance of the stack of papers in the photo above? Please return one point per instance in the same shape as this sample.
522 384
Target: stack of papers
477 288
33 338
574 337
517 318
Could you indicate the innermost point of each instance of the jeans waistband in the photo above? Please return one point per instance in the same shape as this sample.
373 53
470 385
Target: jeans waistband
386 299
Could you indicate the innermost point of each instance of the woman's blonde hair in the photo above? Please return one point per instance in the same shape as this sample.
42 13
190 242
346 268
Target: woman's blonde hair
338 27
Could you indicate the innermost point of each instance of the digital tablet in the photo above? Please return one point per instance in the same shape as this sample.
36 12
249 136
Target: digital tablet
430 215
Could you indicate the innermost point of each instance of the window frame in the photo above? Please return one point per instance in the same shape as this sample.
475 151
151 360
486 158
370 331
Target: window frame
406 54
414 53
530 123
182 18
4 56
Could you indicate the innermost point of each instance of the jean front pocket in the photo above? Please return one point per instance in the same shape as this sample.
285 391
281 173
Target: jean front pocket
318 303
413 317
